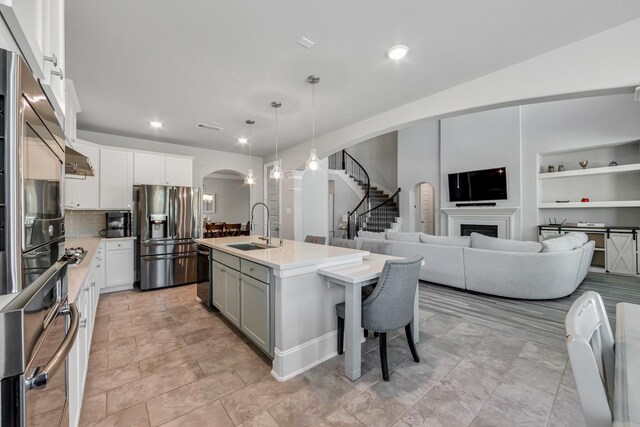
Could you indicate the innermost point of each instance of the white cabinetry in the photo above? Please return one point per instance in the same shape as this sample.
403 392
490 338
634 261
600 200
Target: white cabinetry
72 108
621 253
38 28
83 192
87 301
255 311
116 179
158 169
226 293
118 265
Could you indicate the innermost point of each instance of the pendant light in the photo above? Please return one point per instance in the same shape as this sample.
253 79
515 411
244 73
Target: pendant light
313 163
250 179
276 172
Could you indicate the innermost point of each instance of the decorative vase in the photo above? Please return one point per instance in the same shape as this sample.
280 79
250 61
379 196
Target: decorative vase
560 168
551 169
613 163
583 163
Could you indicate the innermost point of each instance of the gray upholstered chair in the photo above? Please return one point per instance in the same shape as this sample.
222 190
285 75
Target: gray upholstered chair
382 247
319 240
343 243
389 307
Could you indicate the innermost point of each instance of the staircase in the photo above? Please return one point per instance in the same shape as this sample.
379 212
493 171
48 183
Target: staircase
377 211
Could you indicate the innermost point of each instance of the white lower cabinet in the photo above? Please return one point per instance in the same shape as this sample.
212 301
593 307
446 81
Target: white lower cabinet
254 315
87 302
118 265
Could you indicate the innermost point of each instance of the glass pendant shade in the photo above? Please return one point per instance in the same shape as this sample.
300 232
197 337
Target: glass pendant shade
250 179
276 172
313 163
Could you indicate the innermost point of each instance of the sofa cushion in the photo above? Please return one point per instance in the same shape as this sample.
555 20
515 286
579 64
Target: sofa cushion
461 241
403 236
480 241
567 242
371 235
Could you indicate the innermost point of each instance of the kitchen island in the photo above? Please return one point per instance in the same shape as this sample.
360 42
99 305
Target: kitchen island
277 297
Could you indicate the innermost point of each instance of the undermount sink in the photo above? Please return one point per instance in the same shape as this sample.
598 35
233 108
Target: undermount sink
250 246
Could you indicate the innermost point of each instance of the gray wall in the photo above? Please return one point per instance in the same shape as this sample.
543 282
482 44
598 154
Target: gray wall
232 200
418 162
344 199
379 156
489 139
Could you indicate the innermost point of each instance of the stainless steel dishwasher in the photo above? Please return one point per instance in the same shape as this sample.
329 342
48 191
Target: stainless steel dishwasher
203 292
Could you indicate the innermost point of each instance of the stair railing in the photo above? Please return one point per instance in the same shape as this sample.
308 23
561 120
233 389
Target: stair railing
376 218
354 169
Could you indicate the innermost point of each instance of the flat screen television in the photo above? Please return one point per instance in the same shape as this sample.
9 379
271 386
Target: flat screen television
472 186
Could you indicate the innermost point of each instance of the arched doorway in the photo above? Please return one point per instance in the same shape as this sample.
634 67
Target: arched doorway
425 195
225 198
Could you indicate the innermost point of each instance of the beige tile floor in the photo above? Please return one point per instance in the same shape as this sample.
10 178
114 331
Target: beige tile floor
160 358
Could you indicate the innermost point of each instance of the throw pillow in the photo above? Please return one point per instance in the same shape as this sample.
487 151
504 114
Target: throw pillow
371 235
568 242
481 241
403 237
461 242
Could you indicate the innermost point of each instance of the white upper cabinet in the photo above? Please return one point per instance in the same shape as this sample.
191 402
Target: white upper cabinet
72 108
53 81
38 28
148 169
82 192
157 169
116 179
179 171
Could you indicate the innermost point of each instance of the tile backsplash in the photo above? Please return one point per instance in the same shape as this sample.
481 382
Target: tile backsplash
84 223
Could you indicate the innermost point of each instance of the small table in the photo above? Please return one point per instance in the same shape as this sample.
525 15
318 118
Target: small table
626 394
353 277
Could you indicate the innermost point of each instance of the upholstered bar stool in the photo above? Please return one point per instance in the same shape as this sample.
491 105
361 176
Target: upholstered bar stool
389 307
318 240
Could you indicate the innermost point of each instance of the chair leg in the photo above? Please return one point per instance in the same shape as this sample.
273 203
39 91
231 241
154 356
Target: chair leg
383 355
340 335
412 345
366 333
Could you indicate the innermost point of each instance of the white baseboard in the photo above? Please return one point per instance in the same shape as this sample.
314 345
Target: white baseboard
110 289
294 361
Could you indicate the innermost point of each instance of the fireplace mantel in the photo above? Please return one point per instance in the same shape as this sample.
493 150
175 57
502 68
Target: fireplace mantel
503 217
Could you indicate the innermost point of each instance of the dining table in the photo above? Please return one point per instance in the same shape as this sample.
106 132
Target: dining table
626 393
354 276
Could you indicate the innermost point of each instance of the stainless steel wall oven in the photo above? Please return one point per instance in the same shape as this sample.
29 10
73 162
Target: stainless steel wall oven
37 324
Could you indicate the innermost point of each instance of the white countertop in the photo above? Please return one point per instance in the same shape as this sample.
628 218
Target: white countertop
292 255
368 269
77 273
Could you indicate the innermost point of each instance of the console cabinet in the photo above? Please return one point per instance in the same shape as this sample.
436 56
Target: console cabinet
616 249
241 290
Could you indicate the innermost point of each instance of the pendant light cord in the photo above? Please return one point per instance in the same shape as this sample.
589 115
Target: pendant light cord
313 115
276 134
250 142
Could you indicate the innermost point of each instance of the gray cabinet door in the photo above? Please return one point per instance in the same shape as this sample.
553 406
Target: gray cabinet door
219 285
255 312
620 253
232 307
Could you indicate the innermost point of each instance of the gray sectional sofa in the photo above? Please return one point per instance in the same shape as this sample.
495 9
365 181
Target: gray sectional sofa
515 269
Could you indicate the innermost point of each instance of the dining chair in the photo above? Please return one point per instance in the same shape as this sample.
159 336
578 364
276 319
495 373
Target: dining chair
232 229
389 307
215 230
319 240
246 230
342 243
591 352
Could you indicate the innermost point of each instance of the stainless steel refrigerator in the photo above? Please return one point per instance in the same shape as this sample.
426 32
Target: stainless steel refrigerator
167 222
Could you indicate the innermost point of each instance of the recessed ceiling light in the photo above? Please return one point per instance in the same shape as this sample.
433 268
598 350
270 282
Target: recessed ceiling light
155 124
398 52
305 42
243 140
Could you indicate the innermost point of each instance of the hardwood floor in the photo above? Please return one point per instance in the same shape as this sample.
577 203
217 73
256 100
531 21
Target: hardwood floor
160 358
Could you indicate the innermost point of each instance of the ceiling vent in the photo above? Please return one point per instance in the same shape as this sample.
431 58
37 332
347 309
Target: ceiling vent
210 126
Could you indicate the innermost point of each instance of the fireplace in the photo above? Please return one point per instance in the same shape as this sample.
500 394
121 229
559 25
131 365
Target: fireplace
504 218
486 229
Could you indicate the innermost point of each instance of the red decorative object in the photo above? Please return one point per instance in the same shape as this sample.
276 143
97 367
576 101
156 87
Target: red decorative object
585 199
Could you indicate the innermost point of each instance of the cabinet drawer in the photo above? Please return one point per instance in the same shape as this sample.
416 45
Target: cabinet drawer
257 271
119 244
226 259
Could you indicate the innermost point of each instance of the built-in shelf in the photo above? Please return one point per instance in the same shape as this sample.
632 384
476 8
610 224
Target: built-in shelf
593 171
609 204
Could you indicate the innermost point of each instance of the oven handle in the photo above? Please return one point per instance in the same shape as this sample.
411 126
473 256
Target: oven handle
41 375
165 257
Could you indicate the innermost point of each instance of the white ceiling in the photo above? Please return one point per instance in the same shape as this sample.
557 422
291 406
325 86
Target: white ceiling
189 61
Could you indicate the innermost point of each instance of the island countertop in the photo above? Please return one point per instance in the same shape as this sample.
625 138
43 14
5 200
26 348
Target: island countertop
291 255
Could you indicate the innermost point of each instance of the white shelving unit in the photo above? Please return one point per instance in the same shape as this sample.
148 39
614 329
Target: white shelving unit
597 204
593 171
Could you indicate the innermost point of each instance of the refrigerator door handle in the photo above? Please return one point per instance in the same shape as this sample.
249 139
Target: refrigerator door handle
172 215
